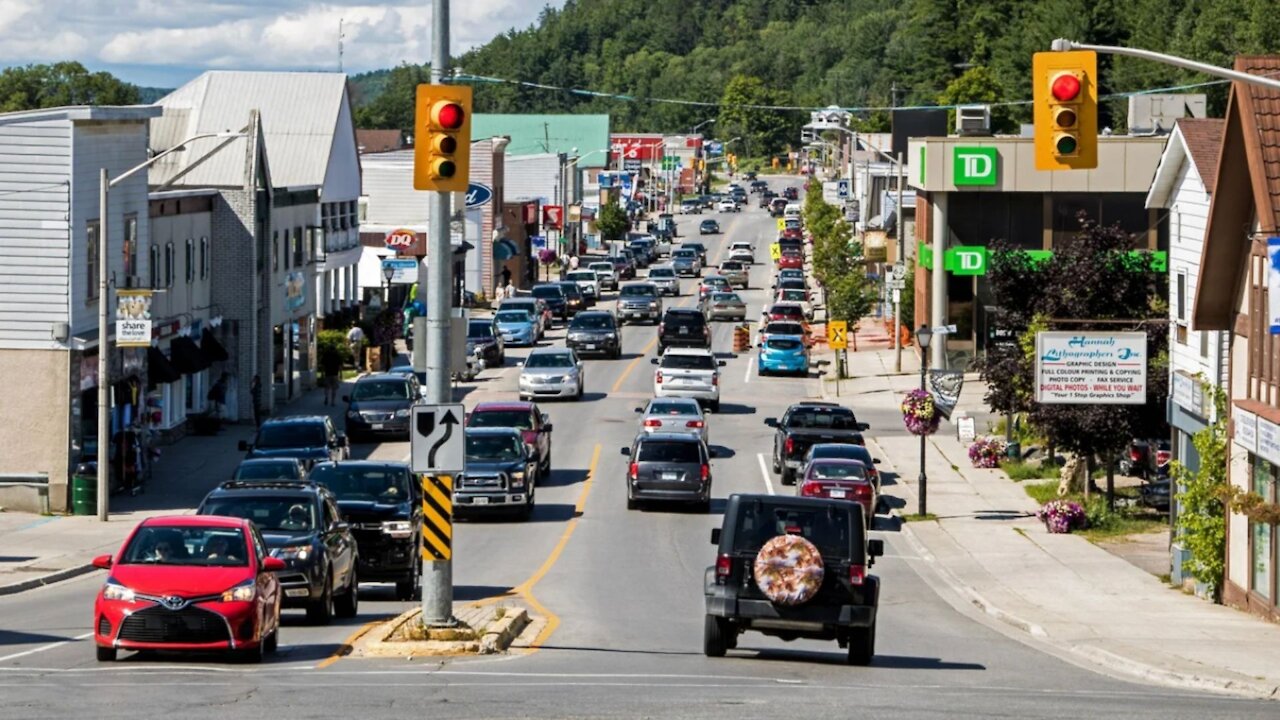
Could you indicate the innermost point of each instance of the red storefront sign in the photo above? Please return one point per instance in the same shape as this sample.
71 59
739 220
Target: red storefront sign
529 213
644 148
553 216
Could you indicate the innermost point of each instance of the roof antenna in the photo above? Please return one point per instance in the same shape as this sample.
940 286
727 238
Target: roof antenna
341 35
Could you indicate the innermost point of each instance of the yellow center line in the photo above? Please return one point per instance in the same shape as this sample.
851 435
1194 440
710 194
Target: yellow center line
346 646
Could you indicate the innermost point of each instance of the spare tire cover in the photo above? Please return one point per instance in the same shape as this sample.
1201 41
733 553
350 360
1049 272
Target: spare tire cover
789 570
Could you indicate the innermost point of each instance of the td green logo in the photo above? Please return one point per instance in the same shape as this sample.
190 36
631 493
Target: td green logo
974 165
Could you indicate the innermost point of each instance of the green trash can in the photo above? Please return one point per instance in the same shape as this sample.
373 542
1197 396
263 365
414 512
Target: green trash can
84 493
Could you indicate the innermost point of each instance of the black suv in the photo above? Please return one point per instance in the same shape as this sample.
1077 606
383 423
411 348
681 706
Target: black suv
301 525
309 438
553 295
595 331
683 327
380 404
383 505
792 568
485 340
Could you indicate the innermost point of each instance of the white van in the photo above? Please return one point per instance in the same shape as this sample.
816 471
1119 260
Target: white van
791 210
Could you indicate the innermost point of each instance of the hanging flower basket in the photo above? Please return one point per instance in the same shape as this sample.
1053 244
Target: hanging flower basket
986 452
920 414
1061 516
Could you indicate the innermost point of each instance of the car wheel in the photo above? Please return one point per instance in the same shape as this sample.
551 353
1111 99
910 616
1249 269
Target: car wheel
273 641
787 477
714 631
254 654
348 603
862 645
715 406
408 589
106 654
320 612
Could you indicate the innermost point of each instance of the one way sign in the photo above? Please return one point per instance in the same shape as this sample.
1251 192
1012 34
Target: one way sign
438 445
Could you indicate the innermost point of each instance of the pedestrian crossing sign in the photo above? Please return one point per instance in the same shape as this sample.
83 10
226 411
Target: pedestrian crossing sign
838 335
782 224
775 252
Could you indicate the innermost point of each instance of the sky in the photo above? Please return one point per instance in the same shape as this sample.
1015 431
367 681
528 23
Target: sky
164 43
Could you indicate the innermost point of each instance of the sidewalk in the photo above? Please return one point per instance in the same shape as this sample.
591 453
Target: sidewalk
1079 599
38 550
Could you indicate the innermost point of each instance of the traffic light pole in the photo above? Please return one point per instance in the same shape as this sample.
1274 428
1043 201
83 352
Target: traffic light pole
1063 45
437 575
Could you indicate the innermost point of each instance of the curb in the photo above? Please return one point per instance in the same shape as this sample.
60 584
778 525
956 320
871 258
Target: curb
51 578
499 636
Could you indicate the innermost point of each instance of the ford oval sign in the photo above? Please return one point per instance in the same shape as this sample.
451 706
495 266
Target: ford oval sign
478 195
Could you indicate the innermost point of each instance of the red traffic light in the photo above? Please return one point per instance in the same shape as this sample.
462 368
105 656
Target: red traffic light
1065 87
449 115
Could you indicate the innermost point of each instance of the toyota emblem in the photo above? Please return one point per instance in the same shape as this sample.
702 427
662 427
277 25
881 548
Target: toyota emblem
173 602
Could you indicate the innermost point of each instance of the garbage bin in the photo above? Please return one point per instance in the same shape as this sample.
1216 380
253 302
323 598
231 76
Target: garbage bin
1014 450
84 490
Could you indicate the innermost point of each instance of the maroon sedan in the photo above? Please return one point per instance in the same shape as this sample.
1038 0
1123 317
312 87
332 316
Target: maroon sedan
534 426
193 583
840 480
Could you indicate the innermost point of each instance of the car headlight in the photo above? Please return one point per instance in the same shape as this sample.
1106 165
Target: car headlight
653 306
115 591
517 479
244 592
402 413
293 552
397 528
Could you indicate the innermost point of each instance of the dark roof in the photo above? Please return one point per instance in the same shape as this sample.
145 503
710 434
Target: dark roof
1203 137
376 141
294 419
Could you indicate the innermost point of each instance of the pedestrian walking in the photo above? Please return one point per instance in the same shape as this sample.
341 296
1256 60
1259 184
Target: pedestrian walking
255 394
331 367
355 340
509 290
499 292
218 396
506 276
573 262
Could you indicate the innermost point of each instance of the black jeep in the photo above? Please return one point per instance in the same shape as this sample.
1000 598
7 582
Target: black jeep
790 568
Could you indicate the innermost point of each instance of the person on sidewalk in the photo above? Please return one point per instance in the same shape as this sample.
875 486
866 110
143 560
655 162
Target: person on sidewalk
499 293
573 262
355 339
506 276
255 394
509 290
331 365
218 397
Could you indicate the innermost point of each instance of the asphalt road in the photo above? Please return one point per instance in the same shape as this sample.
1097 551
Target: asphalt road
622 591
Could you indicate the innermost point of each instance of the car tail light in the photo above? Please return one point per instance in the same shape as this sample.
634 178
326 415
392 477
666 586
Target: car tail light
1135 454
788 446
661 327
857 574
862 490
706 330
1163 457
715 379
694 424
653 423
724 565
658 377
811 490
706 472
633 472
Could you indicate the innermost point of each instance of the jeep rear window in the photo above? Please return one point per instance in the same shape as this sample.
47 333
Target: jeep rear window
829 528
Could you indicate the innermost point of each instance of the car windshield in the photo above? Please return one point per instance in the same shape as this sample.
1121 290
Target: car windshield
571 289
734 266
512 316
479 330
669 451
602 266
662 272
683 253
274 470
675 361
493 447
783 344
793 295
599 321
791 310
290 435
549 360
278 513
696 246
830 528
359 483
168 545
672 407
838 471
548 292
502 418
381 390
726 298
822 419
636 291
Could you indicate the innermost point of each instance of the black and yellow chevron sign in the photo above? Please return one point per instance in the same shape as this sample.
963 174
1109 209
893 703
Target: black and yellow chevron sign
437 517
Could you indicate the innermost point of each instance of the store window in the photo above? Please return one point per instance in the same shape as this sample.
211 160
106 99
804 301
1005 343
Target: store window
91 260
194 387
204 258
298 249
190 266
275 249
170 260
130 246
153 269
1262 569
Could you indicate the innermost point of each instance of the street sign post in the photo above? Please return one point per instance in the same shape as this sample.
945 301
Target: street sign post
838 334
842 189
437 445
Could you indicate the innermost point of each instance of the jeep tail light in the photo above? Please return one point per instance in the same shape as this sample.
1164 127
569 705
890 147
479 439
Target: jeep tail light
857 574
633 472
653 422
694 424
715 379
724 565
706 472
1135 454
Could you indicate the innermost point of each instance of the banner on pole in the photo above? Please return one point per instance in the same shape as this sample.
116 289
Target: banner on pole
133 318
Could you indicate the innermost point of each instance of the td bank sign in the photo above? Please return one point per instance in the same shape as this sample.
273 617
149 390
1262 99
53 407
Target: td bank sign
974 166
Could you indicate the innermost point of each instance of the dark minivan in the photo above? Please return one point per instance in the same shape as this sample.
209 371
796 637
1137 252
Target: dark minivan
309 438
669 466
683 327
553 295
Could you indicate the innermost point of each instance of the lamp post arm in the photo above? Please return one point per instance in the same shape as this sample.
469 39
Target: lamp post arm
1063 45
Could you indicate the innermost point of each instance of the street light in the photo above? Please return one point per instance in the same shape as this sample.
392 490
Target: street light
924 336
704 122
388 272
104 366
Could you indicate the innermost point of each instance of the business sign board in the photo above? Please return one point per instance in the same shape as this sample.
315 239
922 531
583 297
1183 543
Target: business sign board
553 216
478 195
1246 429
831 193
295 290
406 270
644 148
1091 368
1273 284
404 241
974 166
133 318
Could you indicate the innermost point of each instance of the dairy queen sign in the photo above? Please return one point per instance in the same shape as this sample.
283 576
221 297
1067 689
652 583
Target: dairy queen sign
402 241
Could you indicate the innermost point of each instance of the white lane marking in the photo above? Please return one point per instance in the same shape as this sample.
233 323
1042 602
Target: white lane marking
746 377
764 470
42 648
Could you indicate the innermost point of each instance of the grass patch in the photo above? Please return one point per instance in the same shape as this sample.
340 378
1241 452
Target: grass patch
1103 524
916 517
1042 492
1019 471
350 374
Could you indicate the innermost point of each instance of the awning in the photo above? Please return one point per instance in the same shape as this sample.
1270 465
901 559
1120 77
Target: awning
186 356
212 349
504 249
159 370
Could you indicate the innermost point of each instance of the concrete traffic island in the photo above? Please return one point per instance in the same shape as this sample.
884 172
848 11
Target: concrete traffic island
481 630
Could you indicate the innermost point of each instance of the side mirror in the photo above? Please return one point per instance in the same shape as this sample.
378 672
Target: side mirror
340 526
273 564
653 361
715 536
626 451
720 363
342 440
639 409
244 446
102 561
875 549
548 427
713 453
875 461
771 422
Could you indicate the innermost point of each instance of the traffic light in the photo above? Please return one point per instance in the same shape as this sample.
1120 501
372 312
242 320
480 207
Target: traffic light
1066 109
442 147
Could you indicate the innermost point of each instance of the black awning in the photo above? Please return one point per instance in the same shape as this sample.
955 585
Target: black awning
187 356
159 370
212 348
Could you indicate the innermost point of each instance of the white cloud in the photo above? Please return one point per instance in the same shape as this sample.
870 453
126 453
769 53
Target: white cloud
245 34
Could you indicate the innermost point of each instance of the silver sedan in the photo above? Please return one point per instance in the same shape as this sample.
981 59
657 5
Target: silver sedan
552 372
724 306
674 415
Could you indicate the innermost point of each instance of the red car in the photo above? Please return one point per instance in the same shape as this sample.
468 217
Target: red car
791 260
192 583
525 416
840 480
784 311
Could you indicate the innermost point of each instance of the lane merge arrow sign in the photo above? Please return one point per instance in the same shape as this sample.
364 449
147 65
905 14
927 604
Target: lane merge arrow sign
437 447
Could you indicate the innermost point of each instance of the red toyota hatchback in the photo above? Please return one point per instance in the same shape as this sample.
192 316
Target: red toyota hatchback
191 583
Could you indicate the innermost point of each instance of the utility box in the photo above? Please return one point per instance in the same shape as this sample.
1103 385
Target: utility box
973 120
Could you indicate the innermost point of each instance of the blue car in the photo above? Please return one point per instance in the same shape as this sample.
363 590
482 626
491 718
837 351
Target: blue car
783 354
516 327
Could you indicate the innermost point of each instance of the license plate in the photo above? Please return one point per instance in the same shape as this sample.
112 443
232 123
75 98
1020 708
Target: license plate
480 501
590 346
296 592
376 426
670 476
837 493
684 331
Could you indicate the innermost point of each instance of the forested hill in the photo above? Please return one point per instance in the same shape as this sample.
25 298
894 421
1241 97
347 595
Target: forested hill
854 53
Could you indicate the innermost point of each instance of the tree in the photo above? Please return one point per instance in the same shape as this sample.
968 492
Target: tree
32 87
612 222
745 113
394 106
1202 519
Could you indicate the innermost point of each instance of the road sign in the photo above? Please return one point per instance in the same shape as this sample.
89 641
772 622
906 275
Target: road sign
842 189
538 241
437 517
775 252
895 284
437 445
944 330
898 271
838 335
782 224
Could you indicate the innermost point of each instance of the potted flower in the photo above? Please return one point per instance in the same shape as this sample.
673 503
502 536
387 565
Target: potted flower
1061 516
920 414
986 452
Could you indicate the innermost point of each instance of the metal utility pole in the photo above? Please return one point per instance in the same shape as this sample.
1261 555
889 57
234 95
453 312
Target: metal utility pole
1063 45
104 357
434 290
897 294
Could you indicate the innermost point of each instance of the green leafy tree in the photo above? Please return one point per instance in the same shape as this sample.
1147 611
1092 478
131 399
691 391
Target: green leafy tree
612 222
1202 519
32 87
745 113
393 107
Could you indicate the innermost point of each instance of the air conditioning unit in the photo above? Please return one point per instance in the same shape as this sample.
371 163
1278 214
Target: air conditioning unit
973 120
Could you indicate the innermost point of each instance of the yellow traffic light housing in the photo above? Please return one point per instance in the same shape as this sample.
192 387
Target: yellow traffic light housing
1065 91
442 151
